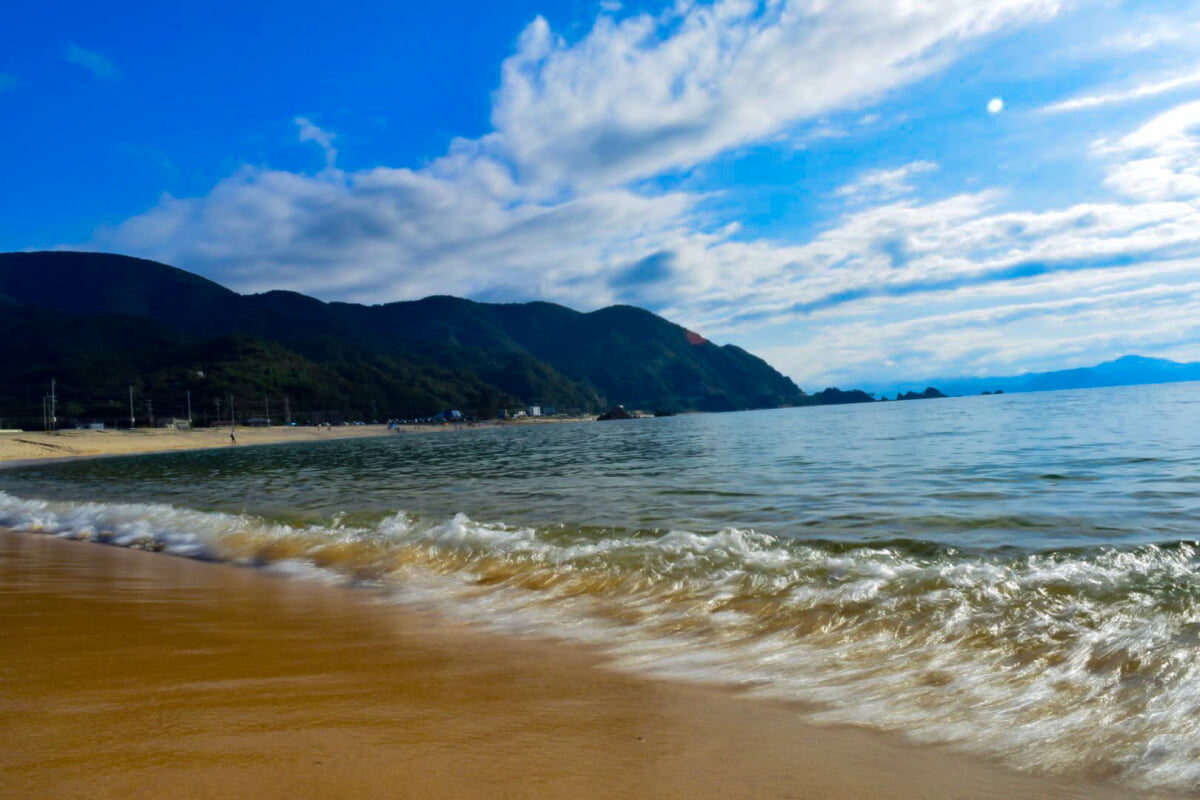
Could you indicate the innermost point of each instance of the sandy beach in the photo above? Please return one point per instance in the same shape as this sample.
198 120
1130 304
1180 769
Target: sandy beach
135 674
36 445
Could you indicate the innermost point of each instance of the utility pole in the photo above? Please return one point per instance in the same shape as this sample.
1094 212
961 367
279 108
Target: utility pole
267 406
132 419
150 411
53 407
189 408
287 412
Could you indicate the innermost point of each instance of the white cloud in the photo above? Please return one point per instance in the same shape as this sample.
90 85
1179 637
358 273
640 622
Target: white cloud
1152 33
92 61
1160 160
884 184
995 105
575 125
383 233
650 94
548 205
903 291
311 133
1140 92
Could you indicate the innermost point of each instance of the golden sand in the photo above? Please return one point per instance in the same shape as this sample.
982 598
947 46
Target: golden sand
133 674
75 444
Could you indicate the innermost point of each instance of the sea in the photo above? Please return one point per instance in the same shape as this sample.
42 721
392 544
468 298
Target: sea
1014 576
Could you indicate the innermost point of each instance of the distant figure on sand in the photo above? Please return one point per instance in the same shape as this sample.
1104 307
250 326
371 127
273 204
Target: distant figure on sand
232 438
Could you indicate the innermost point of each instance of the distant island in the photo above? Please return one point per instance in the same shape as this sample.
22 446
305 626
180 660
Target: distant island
125 337
930 393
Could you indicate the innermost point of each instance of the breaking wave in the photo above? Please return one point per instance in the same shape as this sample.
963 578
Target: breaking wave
1083 661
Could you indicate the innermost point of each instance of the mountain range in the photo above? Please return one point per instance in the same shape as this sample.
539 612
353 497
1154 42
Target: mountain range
1125 371
100 323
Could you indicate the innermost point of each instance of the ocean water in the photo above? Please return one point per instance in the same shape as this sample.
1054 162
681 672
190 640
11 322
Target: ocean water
1012 575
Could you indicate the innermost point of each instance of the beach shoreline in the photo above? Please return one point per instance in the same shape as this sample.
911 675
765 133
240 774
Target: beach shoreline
208 679
24 447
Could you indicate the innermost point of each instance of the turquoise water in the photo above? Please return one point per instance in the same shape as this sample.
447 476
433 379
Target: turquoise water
1014 575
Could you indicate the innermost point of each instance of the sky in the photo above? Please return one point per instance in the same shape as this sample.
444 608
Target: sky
859 191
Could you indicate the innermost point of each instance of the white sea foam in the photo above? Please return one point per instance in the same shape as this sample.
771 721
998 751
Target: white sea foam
1073 662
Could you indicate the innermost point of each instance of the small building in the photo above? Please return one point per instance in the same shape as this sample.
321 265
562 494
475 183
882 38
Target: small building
535 411
257 422
174 423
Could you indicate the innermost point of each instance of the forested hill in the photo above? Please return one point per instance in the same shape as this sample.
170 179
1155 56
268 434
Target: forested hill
99 323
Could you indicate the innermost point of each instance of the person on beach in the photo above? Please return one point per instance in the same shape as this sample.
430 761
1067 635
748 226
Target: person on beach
232 438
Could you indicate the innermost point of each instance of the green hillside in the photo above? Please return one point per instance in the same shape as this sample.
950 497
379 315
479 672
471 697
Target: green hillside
99 323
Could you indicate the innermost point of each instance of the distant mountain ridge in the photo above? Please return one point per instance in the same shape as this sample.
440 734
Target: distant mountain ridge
1131 370
101 322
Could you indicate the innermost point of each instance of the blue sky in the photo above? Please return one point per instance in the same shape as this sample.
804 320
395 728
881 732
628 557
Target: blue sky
861 191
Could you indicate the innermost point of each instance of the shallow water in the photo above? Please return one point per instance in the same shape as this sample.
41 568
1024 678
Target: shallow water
1015 575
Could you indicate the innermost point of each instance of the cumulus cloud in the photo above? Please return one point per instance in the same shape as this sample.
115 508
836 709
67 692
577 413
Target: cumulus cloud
995 105
92 61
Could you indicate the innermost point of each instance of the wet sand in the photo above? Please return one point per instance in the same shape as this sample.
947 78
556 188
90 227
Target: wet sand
133 674
29 446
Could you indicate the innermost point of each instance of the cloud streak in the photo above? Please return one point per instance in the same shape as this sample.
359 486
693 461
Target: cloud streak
324 139
92 61
1135 93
